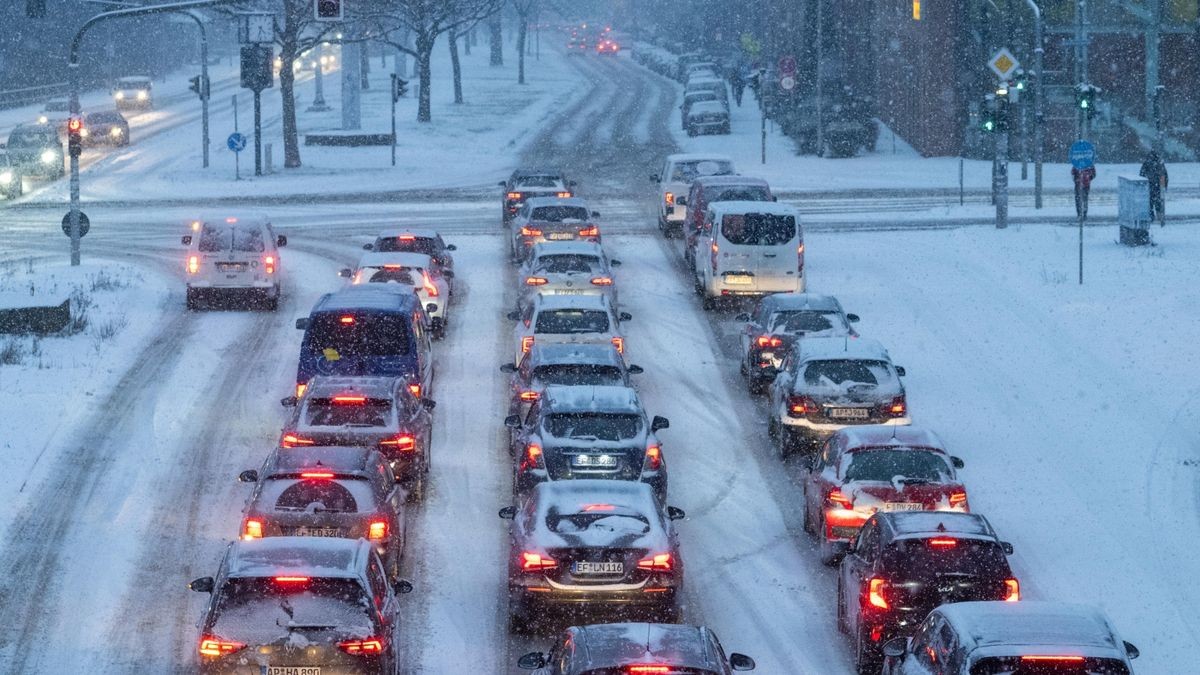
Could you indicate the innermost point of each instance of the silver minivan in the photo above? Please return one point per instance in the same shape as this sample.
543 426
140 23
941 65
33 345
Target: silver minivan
232 256
749 248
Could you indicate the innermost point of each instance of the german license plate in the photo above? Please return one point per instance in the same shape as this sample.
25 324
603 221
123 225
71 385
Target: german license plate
738 279
849 413
559 236
604 461
231 267
570 291
318 532
582 568
901 506
293 670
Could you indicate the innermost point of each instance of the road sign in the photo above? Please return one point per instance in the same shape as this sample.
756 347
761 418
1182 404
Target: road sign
236 142
1003 63
787 65
1082 155
787 82
257 72
84 224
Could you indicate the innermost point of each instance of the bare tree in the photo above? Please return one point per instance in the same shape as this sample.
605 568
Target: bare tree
496 40
525 9
455 65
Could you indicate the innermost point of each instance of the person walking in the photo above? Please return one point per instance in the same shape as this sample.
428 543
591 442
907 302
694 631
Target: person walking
737 82
1154 170
1083 184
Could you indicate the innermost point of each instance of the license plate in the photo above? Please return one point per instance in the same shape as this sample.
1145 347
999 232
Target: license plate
595 460
559 236
901 506
293 670
744 279
569 291
231 267
849 413
317 532
598 568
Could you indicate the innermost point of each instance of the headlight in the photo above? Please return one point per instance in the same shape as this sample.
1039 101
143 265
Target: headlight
83 133
120 95
115 132
142 96
42 119
6 177
49 157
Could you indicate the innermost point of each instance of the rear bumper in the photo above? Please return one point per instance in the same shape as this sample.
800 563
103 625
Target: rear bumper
830 428
232 665
648 595
717 286
268 288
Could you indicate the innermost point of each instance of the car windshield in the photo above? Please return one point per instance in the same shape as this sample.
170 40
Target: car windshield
316 494
686 172
133 84
612 521
32 137
804 321
978 557
596 426
577 374
300 597
570 321
325 412
557 214
395 275
218 238
405 244
1014 665
905 465
741 193
758 229
840 371
367 335
538 182
564 263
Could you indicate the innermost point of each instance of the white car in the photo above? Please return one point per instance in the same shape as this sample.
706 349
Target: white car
567 319
552 219
233 256
567 268
748 248
418 270
675 180
135 91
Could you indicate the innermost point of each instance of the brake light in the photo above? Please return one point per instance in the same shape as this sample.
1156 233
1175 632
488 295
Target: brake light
526 343
619 343
592 508
430 289
590 231
349 400
513 195
654 457
958 500
529 395
661 562
527 231
403 443
713 258
269 263
943 542
602 281
533 456
536 281
300 389
875 593
252 529
359 647
346 320
291 580
377 530
316 475
291 441
1065 659
800 257
215 646
407 237
1012 589
839 500
769 341
669 198
799 406
898 407
646 669
193 265
415 390
563 195
533 562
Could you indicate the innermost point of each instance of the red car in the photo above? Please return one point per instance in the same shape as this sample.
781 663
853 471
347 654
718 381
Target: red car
864 469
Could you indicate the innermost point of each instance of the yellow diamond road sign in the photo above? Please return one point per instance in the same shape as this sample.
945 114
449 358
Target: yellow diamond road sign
1003 63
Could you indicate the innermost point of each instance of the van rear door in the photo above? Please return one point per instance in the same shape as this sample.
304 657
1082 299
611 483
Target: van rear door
758 251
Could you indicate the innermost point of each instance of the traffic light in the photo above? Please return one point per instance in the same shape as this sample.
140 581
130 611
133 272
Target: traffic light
1001 119
399 88
74 137
1085 98
199 84
987 123
328 10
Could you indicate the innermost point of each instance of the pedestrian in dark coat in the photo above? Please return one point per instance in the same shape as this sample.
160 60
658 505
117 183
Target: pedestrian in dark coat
1155 173
1083 184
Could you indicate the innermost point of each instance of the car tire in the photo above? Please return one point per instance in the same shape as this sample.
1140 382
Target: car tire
708 302
809 527
785 441
841 603
520 619
272 303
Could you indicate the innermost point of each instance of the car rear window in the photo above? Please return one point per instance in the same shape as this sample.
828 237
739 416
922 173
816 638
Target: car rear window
568 321
218 238
564 263
557 214
758 229
597 426
304 598
319 494
326 412
426 245
741 193
905 465
538 182
840 371
967 556
386 275
368 335
686 172
805 321
1014 665
577 374
609 521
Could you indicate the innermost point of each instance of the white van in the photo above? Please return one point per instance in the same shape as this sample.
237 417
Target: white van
233 256
749 248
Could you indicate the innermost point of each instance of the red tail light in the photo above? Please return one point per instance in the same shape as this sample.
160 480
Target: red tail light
653 457
602 281
535 562
801 406
713 258
530 395
838 500
669 198
427 282
407 237
193 264
377 530
346 319
291 441
349 400
300 389
513 195
647 669
619 343
563 195
536 281
943 542
211 645
252 529
1012 590
316 475
875 593
533 457
291 580
269 263
360 647
1064 659
800 258
526 343
662 562
403 443
898 407
415 390
764 341
590 231
958 500
527 231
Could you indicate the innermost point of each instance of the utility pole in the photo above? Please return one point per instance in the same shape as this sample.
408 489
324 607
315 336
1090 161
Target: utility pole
1039 104
1000 175
820 90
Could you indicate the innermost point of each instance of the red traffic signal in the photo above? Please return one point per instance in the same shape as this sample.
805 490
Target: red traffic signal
74 125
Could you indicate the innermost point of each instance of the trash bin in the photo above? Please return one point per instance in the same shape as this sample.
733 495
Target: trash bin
1133 210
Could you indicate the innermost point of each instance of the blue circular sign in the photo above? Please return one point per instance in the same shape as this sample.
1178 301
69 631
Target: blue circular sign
1083 155
236 142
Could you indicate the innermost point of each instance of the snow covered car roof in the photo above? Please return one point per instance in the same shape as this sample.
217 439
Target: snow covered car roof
423 234
402 258
772 208
620 644
881 435
1052 626
583 354
599 302
566 248
590 398
534 202
938 522
698 157
607 500
134 79
829 348
330 557
391 297
324 386
340 459
779 302
241 218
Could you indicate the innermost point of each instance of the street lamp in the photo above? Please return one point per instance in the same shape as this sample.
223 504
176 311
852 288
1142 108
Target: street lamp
318 104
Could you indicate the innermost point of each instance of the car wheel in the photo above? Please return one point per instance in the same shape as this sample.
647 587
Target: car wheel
520 619
808 521
708 302
841 603
785 441
272 303
772 427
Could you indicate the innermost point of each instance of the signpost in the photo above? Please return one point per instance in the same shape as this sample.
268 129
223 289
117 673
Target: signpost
237 143
256 31
787 83
1083 163
84 224
1003 64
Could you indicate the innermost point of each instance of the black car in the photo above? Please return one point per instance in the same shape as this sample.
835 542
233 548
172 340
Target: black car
586 544
902 565
353 490
575 432
778 322
105 127
527 182
299 605
379 412
634 648
566 364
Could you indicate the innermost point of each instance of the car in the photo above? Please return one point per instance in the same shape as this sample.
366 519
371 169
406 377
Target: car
637 648
748 249
429 281
707 116
36 150
354 491
828 384
296 605
708 189
56 113
778 322
370 329
691 99
583 544
696 68
569 319
567 268
1011 638
134 91
566 364
11 180
532 182
903 565
685 61
233 257
543 219
375 412
428 242
860 471
593 431
105 127
606 46
578 46
674 180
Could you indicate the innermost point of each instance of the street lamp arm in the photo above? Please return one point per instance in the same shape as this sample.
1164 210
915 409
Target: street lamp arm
73 58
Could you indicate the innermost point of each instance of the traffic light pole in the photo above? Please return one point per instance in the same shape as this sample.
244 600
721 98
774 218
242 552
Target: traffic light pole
1000 175
204 88
1039 103
257 132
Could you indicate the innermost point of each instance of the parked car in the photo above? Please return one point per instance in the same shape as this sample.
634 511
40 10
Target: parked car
233 257
675 179
134 92
107 127
542 219
708 189
429 281
637 648
566 364
36 150
11 179
296 605
692 98
903 565
748 249
778 322
567 319
863 470
531 182
1018 638
707 117
567 268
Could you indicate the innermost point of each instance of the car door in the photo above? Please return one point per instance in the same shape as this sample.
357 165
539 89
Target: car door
522 330
777 267
424 353
384 601
856 568
781 387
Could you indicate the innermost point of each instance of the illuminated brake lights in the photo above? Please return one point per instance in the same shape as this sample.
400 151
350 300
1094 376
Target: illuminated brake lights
943 542
1065 659
193 265
590 231
513 195
530 396
535 562
898 407
647 669
958 500
415 389
269 264
533 457
300 389
799 406
403 443
377 530
430 289
875 593
291 580
527 231
350 400
765 341
252 529
563 195
661 562
316 475
360 647
619 343
669 198
1012 590
407 237
653 457
839 500
527 343
292 440
602 281
347 320
592 508
215 646
536 281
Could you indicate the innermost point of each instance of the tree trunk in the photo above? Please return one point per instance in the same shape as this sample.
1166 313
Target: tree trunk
455 66
497 40
364 57
522 32
424 55
287 92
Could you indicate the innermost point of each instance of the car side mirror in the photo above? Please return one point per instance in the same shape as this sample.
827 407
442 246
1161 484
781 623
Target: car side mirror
508 512
659 422
635 370
451 247
345 273
202 585
595 214
1131 651
508 368
774 198
654 178
742 317
572 183
513 315
1006 547
402 586
429 404
681 201
513 421
281 240
625 316
900 371
740 662
852 318
288 401
430 308
502 184
186 239
957 462
368 247
448 274
248 476
896 648
302 324
676 513
532 661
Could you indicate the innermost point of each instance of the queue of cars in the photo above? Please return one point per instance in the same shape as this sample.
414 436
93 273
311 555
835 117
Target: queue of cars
924 585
